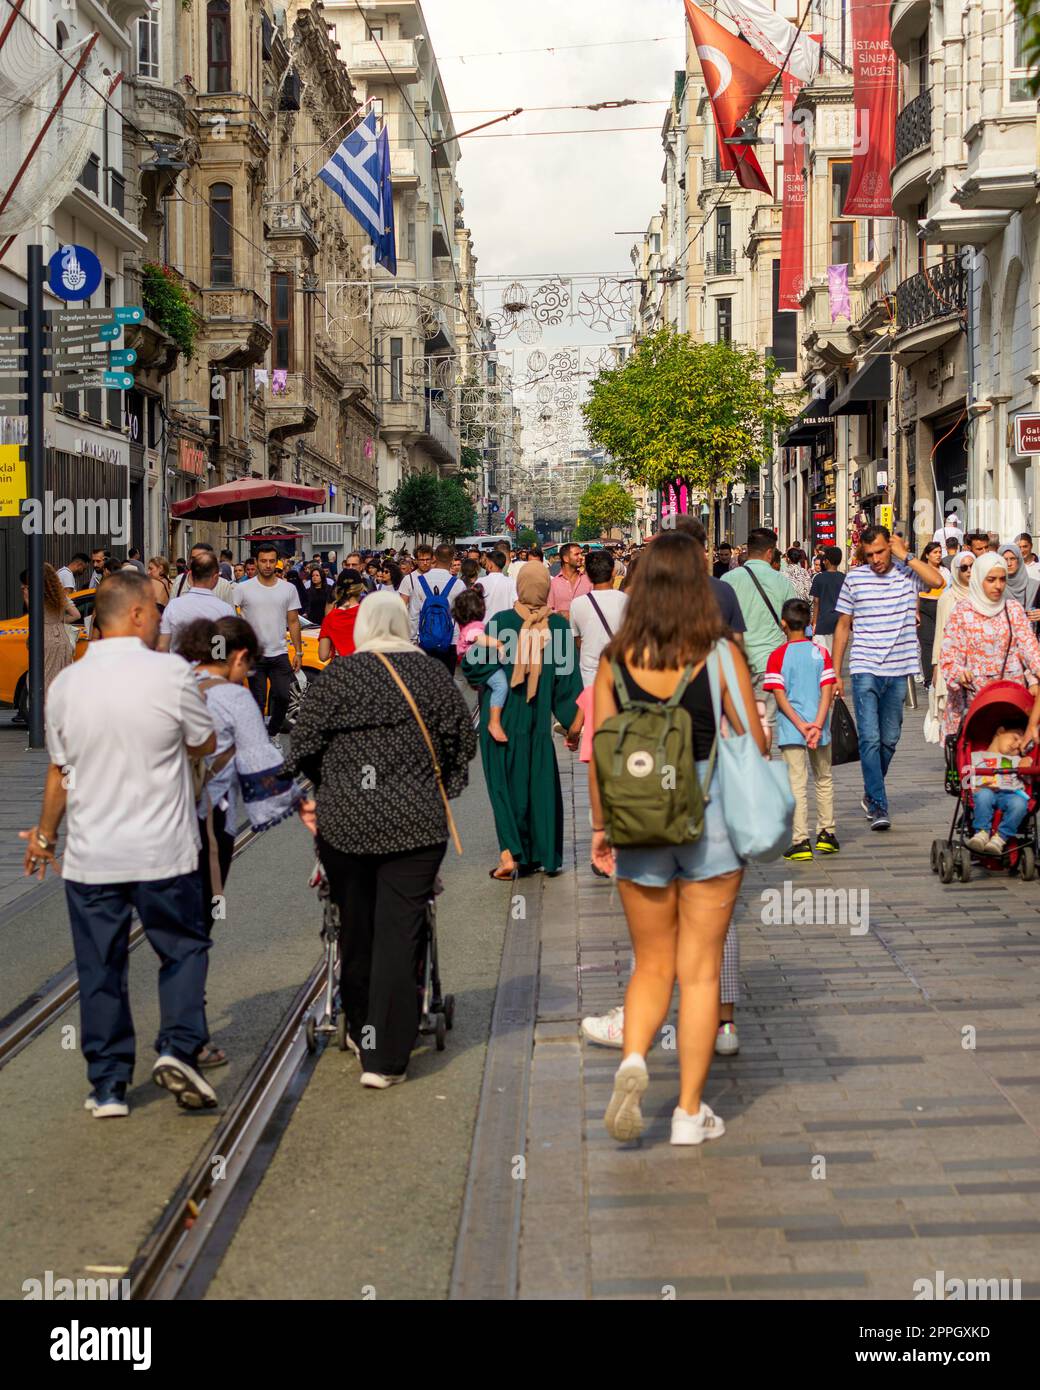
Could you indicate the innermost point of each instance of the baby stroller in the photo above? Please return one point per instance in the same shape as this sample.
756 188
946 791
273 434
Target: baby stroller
436 1012
1000 703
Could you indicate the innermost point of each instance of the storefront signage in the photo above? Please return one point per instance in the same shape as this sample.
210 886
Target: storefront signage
824 527
12 479
193 459
1027 434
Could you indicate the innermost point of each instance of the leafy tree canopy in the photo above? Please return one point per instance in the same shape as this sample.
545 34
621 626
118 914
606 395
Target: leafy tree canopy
604 506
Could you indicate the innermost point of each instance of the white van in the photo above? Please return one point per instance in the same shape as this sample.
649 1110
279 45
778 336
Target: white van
482 542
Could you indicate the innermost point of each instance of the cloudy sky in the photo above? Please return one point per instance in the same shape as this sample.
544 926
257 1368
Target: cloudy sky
552 204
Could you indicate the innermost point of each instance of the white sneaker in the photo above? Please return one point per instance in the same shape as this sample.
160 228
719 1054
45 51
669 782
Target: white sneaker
727 1043
376 1081
997 845
694 1129
624 1118
979 841
607 1029
192 1091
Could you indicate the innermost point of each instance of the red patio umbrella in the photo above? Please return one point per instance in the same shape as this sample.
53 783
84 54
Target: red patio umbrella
250 497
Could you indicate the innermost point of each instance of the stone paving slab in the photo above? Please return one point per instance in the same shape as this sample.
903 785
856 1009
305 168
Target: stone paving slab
883 1115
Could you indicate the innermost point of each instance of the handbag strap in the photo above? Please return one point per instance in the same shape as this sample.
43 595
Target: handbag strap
1011 638
429 744
599 614
765 597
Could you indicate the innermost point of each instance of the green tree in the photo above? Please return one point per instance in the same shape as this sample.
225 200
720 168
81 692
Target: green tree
1029 13
680 409
415 505
471 465
604 506
455 517
526 537
586 531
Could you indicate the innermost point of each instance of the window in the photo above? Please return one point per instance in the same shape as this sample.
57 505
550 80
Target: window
1017 64
282 320
148 45
218 46
221 262
724 320
723 238
843 232
61 37
376 32
397 369
919 62
785 330
922 248
91 175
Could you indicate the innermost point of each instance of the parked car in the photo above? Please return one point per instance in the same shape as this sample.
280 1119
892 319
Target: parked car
14 652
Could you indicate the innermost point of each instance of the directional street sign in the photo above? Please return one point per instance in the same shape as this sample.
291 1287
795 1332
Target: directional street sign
12 340
83 318
17 406
123 357
129 313
11 318
76 381
123 380
84 361
12 361
107 333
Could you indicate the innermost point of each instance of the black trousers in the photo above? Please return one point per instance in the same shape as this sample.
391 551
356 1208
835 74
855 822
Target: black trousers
382 905
225 848
276 671
449 659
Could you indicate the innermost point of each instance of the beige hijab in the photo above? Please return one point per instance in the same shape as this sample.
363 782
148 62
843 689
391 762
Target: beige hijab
532 588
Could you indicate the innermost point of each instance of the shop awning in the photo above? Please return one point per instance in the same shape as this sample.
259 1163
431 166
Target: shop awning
806 426
248 498
871 383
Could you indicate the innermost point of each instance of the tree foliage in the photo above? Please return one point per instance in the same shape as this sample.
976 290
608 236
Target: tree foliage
1029 12
604 506
456 516
526 537
415 503
680 409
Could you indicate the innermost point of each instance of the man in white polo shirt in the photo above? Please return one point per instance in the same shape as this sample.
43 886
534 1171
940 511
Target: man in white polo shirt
121 724
498 589
270 605
200 601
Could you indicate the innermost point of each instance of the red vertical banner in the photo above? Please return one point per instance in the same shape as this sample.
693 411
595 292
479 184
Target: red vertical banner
792 234
875 99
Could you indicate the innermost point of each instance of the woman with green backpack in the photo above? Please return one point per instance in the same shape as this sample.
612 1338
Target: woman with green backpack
659 819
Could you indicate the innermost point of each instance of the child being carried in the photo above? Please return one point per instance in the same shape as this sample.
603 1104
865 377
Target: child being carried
470 612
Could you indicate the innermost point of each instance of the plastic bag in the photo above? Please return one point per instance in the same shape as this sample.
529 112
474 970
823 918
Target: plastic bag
932 718
844 739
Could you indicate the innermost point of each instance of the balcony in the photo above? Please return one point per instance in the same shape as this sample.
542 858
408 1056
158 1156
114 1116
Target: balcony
236 327
442 437
399 57
832 342
913 154
403 171
712 175
716 264
291 223
161 112
908 20
930 309
289 407
443 240
156 350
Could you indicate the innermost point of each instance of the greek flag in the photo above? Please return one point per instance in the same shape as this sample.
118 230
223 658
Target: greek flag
359 174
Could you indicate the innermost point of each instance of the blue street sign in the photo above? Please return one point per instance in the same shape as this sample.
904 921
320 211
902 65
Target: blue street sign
129 313
74 273
110 332
124 357
123 380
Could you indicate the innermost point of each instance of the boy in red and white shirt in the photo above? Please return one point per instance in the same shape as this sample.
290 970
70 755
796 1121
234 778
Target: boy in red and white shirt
801 677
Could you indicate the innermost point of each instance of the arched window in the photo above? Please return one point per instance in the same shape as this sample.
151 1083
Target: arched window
221 212
62 37
218 46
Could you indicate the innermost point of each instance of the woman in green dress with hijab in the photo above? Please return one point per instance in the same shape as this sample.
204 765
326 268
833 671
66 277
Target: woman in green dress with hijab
523 781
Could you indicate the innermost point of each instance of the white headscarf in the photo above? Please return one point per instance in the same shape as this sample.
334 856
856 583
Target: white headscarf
382 624
977 596
958 565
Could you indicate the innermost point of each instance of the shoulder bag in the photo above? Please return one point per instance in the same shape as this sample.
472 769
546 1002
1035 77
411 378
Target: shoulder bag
429 744
765 597
599 614
757 802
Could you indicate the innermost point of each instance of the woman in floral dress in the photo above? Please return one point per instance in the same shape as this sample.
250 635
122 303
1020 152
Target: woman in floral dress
988 637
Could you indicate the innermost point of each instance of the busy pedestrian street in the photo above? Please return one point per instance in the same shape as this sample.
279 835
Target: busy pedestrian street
519 679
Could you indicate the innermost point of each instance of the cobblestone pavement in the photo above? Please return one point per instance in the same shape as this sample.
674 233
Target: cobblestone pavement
868 1144
22 773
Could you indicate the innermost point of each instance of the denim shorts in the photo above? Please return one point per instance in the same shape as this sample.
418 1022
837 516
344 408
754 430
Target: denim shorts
655 866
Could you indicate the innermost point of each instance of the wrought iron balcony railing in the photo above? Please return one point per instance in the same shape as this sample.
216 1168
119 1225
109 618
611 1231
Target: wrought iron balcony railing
933 293
914 126
720 264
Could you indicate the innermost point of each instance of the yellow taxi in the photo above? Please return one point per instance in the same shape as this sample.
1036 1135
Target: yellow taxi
14 652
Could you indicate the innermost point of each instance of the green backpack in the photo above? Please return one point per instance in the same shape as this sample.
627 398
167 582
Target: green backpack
645 768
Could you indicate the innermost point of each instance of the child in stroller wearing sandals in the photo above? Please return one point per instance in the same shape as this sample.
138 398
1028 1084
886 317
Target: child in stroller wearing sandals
997 787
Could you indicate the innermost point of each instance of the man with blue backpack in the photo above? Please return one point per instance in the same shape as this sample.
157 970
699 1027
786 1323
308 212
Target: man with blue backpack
428 592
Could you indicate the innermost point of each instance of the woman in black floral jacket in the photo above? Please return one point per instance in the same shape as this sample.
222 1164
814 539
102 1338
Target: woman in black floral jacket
357 736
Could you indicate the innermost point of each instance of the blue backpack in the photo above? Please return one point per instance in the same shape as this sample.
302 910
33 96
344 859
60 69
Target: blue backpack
436 625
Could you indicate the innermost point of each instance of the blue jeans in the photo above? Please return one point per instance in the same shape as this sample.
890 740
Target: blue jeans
878 701
1011 805
170 910
499 687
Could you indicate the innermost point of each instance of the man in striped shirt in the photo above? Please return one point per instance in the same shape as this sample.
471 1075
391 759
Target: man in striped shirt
878 602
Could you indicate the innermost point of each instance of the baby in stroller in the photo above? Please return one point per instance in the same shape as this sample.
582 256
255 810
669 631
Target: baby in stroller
997 787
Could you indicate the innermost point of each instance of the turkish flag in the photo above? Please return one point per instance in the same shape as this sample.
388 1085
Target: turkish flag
735 76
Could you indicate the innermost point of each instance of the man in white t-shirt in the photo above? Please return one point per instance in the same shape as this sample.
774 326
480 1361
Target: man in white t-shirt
200 601
951 527
597 616
498 589
121 725
434 566
75 575
270 605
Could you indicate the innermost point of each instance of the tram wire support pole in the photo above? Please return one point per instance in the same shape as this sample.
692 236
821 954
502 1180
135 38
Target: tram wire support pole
37 486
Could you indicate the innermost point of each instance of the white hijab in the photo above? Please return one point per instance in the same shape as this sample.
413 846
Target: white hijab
977 596
382 624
